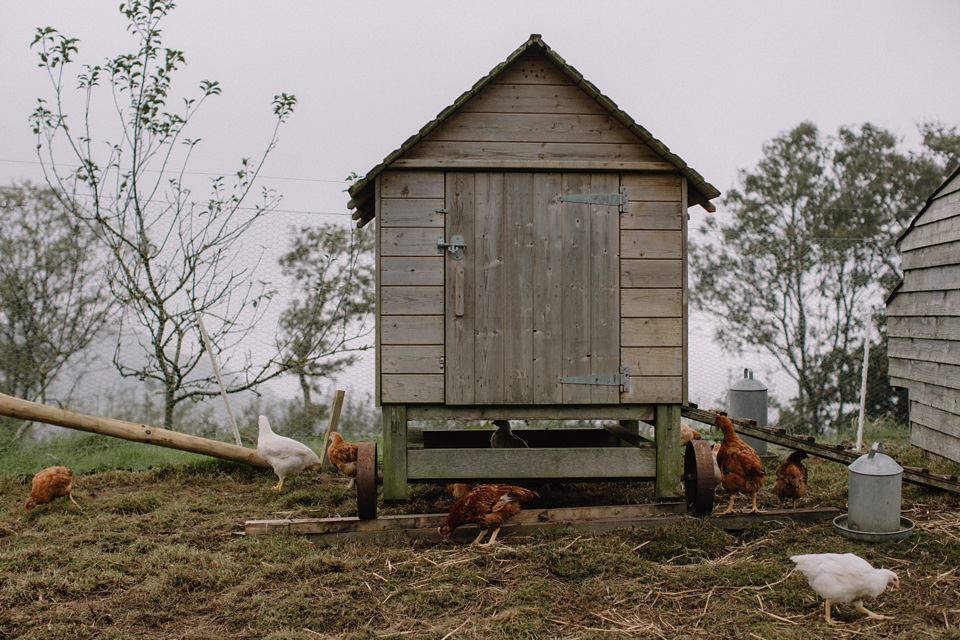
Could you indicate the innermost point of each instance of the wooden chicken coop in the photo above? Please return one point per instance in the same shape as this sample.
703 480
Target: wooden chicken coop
531 264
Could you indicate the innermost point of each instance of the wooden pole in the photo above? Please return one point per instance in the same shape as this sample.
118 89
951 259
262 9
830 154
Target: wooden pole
26 410
216 372
863 387
325 464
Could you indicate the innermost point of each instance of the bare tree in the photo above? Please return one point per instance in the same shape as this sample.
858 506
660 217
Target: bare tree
170 255
52 303
323 332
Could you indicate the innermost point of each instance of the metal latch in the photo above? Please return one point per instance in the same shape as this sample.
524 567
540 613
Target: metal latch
456 246
612 199
621 379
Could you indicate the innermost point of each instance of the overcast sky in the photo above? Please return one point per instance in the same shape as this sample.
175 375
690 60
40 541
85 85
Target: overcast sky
712 80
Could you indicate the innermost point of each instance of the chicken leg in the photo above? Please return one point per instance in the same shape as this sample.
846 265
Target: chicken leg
493 538
483 532
70 495
870 614
755 509
279 486
351 483
730 510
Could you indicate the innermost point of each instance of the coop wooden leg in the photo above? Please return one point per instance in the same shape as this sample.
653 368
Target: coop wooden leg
669 458
394 452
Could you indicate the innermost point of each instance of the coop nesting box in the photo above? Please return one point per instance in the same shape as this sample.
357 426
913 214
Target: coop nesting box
531 264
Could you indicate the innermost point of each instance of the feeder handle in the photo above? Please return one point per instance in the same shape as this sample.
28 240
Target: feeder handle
875 449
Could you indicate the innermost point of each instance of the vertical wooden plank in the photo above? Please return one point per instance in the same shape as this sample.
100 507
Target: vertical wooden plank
459 361
669 460
517 246
547 289
394 423
488 368
683 296
378 304
576 310
604 288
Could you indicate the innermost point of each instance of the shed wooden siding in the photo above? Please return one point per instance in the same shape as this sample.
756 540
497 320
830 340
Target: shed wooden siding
532 116
923 323
410 293
652 300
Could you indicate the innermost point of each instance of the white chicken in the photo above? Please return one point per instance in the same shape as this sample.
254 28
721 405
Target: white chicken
841 578
287 456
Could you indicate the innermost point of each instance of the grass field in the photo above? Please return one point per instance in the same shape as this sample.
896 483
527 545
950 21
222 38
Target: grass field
152 555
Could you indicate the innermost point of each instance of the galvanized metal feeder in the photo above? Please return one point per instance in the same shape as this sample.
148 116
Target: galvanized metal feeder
873 500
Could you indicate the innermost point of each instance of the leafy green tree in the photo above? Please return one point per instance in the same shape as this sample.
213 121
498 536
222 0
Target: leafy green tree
323 332
52 304
809 251
171 256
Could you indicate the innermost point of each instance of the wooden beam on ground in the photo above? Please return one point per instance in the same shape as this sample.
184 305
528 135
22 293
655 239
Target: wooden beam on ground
335 408
527 522
809 444
26 410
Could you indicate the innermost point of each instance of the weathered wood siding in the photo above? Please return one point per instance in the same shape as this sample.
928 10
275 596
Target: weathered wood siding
532 116
410 287
923 324
652 300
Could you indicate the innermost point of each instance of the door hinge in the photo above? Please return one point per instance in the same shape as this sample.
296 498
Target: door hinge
456 246
621 379
611 199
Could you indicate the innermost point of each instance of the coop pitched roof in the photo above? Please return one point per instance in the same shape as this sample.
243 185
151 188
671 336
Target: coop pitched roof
361 192
926 205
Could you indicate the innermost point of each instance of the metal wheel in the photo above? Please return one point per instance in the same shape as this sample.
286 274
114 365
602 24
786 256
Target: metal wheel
367 480
698 480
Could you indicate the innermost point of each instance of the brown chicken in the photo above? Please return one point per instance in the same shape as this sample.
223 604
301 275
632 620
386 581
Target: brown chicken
791 481
688 433
459 489
49 484
740 466
487 505
343 455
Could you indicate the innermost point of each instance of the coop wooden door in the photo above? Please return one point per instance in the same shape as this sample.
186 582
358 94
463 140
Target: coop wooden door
535 296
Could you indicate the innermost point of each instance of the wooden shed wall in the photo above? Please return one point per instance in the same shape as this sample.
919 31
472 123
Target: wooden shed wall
532 116
924 324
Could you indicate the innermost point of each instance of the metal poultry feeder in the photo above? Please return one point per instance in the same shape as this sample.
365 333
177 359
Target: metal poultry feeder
873 499
747 399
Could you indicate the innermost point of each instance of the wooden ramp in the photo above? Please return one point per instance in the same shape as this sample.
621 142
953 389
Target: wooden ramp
809 445
529 521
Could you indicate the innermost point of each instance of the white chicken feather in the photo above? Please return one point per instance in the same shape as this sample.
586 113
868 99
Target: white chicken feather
841 578
287 456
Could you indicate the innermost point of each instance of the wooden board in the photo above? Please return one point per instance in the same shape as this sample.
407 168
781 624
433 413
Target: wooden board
532 68
415 300
411 330
531 98
604 293
489 291
409 241
647 244
496 154
944 422
937 255
397 388
945 351
653 361
654 389
411 358
412 212
934 441
532 127
939 232
459 330
652 332
411 184
540 463
516 246
932 279
547 289
653 187
652 215
651 274
527 522
424 271
934 328
651 303
575 222
946 375
531 412
925 303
